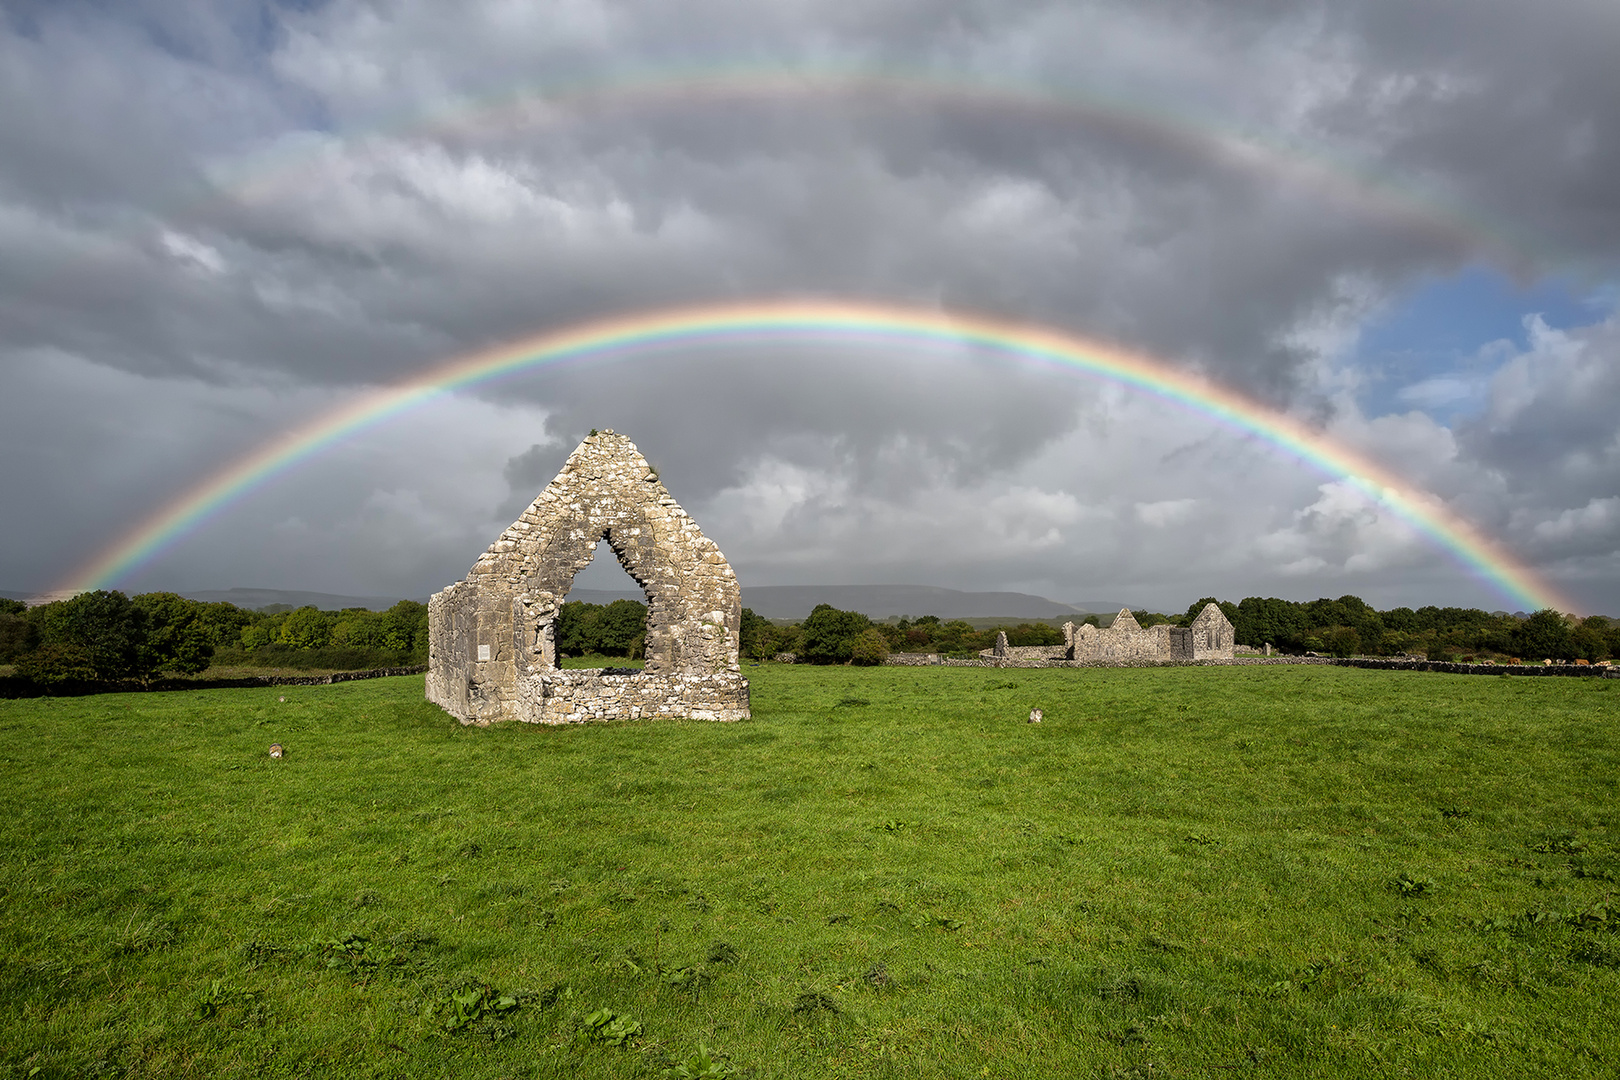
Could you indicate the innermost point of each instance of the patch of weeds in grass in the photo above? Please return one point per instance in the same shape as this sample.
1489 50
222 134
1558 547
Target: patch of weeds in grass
895 825
609 1028
720 953
256 954
852 703
218 995
1595 867
1200 839
1410 886
1598 952
701 1064
1130 1035
473 1005
690 980
811 1002
1455 813
631 963
362 958
1559 844
942 922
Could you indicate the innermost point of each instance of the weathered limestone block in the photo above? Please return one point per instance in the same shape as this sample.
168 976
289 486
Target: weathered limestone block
492 652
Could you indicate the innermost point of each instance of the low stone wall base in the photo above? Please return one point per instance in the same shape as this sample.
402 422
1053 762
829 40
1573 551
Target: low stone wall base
587 695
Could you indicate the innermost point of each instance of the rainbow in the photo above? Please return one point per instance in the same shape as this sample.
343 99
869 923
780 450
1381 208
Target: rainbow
713 324
1204 138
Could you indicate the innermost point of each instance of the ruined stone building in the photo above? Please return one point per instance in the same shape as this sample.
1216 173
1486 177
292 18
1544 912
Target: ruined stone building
1210 637
492 651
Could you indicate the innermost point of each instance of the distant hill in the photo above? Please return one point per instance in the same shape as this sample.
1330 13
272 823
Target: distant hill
258 598
771 601
914 601
887 601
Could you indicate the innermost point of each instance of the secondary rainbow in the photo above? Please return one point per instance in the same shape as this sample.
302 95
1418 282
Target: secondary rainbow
718 323
1202 136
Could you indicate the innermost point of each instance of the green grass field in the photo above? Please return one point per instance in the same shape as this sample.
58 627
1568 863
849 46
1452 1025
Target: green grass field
1183 872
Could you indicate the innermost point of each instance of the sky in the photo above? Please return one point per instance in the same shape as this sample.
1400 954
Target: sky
1395 221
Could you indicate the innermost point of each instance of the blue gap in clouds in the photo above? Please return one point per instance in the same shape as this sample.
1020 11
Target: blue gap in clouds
1423 353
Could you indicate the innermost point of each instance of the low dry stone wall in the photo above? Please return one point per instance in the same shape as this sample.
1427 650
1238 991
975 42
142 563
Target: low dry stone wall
1598 671
1027 652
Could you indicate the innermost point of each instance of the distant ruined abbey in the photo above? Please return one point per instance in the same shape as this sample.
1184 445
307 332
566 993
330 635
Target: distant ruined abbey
1123 643
1210 637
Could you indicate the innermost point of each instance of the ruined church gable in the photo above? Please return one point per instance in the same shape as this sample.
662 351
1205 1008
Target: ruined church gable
492 652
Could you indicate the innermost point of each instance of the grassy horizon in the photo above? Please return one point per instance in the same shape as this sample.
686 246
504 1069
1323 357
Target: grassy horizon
1267 871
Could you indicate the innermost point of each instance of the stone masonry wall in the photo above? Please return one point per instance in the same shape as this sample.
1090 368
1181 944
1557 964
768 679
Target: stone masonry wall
1028 652
1210 637
492 636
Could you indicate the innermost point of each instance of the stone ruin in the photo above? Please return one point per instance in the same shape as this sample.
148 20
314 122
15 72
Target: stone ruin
492 637
1210 637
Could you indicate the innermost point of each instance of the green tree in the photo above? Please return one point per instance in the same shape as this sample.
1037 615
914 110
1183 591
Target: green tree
829 634
9 606
356 628
621 628
1283 623
1034 634
403 628
1341 641
224 623
58 662
959 636
1587 643
306 628
1544 636
755 639
870 647
176 637
263 631
576 628
101 632
18 633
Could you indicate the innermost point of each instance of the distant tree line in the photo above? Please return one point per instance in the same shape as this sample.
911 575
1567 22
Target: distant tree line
107 636
103 635
1349 627
831 636
1343 627
616 629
